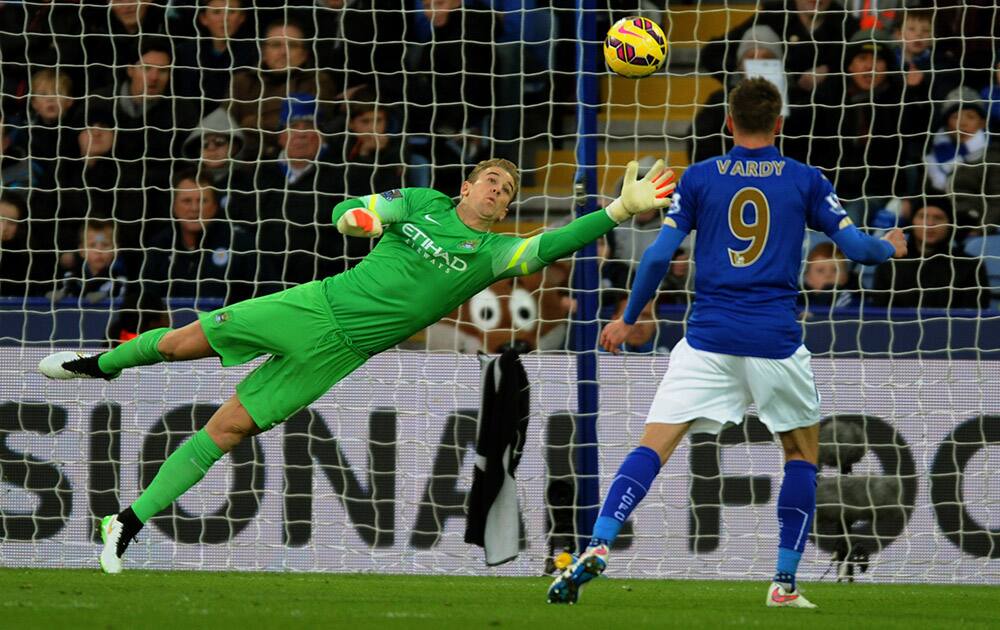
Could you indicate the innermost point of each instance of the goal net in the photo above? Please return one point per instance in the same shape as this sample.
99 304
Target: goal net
163 159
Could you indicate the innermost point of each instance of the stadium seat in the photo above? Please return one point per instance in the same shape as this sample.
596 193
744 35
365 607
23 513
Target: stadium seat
988 248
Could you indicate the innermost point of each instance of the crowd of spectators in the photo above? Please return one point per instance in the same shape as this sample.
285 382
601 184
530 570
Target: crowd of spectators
194 149
155 150
898 107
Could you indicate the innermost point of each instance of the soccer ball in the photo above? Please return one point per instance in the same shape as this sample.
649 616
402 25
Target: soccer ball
635 47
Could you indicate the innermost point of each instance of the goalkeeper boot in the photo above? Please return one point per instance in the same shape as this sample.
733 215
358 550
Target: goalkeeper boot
566 588
778 597
66 365
117 531
115 543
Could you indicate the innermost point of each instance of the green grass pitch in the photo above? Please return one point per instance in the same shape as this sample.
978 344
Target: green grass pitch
51 598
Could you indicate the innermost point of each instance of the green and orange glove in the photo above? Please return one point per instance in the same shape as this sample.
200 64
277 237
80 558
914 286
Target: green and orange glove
360 222
639 195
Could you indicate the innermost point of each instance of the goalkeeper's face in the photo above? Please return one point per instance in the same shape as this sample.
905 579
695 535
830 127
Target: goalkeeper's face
489 196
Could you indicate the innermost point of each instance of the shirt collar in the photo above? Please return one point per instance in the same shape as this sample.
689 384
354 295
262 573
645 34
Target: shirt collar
763 152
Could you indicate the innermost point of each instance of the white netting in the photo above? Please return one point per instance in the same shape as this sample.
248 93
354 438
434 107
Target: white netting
118 118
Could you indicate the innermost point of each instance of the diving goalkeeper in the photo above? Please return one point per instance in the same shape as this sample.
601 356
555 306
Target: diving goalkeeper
433 256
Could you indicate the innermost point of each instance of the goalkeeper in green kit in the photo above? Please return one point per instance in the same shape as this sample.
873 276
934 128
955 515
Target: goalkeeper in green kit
433 256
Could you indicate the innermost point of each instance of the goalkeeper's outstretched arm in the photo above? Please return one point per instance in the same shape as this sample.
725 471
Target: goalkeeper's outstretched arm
651 192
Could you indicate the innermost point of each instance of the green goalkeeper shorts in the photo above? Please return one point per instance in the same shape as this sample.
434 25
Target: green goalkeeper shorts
309 352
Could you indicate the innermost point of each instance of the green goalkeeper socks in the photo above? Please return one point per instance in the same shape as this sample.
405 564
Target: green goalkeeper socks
139 351
185 467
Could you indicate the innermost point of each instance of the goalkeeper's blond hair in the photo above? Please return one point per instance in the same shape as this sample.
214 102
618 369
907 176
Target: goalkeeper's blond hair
506 165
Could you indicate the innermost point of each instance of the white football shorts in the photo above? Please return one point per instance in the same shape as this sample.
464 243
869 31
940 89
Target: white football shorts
714 390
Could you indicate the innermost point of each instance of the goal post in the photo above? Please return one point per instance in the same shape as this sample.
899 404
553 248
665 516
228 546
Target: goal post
586 279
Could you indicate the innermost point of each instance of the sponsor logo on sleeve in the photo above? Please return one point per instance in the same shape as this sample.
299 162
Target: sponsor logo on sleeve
220 256
834 204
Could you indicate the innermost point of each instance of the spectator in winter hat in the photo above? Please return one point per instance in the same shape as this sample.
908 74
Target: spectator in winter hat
709 136
859 118
963 161
215 145
813 31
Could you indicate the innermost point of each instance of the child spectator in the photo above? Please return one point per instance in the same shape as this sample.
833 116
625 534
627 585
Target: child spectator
15 257
922 65
827 281
45 138
934 273
964 162
47 145
97 273
927 77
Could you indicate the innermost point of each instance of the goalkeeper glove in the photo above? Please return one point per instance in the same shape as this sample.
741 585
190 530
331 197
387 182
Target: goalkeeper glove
651 192
359 222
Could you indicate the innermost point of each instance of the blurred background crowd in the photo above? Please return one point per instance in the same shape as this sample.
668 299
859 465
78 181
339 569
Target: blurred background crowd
155 150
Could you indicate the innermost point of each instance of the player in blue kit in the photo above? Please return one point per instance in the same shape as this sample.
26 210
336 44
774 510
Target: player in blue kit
743 343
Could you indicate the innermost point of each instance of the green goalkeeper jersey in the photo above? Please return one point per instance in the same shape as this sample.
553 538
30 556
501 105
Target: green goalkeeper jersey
428 262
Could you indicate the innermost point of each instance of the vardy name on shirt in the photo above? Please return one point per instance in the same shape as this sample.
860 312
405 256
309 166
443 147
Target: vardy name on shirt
763 168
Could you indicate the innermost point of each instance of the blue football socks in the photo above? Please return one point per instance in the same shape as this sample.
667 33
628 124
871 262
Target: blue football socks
634 478
796 506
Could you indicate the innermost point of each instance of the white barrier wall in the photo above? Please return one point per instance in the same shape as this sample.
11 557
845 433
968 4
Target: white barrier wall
393 503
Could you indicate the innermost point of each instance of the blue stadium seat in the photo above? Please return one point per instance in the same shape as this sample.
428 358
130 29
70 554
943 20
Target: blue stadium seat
988 248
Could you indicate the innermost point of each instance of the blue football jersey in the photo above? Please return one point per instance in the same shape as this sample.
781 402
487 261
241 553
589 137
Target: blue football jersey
750 208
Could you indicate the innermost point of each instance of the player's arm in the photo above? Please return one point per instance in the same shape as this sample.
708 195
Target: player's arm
651 192
869 250
826 214
653 267
365 216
